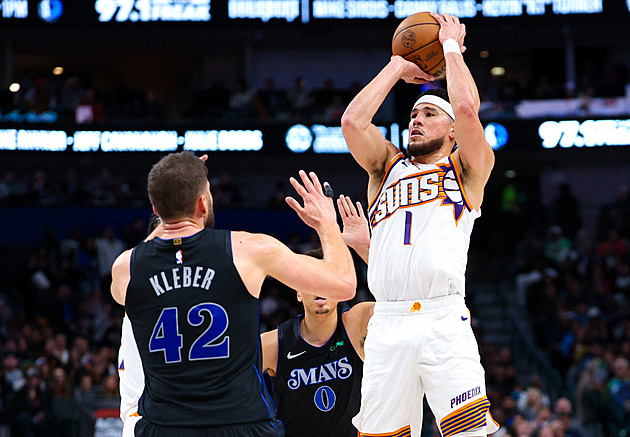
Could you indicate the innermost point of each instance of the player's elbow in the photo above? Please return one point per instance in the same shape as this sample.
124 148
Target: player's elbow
467 107
348 288
351 121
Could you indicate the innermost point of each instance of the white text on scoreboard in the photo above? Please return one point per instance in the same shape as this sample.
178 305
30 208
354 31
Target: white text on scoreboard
588 133
152 10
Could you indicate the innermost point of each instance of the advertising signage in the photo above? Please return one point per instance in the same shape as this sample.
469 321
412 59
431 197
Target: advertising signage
503 135
137 13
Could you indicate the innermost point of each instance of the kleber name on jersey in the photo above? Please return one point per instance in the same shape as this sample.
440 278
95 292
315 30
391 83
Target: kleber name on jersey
441 183
182 277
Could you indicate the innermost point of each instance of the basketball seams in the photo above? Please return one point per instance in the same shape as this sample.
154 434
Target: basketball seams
420 48
429 70
413 25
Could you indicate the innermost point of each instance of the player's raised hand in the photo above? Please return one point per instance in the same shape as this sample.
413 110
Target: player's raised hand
410 72
318 209
451 28
356 232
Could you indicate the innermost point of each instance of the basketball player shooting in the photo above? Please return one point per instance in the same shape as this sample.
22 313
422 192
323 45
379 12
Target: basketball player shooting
421 212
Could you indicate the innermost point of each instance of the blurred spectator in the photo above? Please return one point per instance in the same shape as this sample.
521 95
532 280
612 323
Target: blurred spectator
71 95
87 402
276 201
153 109
225 192
33 407
40 188
566 211
334 111
531 403
619 390
108 247
63 406
12 373
563 412
271 102
590 394
241 101
8 187
104 189
301 99
558 247
72 189
89 109
614 85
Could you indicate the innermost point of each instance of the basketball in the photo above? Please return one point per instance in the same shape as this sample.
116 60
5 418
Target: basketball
416 39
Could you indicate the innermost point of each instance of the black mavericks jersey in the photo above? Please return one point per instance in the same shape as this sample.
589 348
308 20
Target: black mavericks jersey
196 327
317 389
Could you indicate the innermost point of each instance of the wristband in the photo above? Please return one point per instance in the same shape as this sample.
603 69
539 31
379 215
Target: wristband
451 46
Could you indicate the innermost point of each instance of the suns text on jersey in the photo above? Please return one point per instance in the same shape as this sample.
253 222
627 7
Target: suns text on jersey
339 369
417 189
182 277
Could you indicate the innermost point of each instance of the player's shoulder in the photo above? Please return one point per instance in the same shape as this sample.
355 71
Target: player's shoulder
359 311
269 338
122 261
260 246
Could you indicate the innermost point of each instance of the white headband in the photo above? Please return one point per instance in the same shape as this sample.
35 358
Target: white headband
437 101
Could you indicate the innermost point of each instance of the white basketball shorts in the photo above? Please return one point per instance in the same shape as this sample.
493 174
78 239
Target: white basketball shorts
419 348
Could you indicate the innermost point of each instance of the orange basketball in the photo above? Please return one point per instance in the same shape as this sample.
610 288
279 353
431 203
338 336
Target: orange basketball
416 39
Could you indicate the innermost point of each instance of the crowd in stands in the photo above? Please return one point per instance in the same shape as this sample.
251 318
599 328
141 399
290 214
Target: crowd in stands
74 98
104 188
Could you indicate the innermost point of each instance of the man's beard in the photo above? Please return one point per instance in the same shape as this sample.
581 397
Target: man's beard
210 220
426 147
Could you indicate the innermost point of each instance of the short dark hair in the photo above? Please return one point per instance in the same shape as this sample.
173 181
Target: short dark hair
154 222
175 183
439 92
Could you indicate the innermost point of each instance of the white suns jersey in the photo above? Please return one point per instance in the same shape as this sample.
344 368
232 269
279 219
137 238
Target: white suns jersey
130 372
421 224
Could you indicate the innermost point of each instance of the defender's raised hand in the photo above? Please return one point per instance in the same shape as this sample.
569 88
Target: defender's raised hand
318 209
356 231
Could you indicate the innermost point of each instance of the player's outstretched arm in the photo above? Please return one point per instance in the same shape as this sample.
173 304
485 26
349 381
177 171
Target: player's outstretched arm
258 255
474 154
367 145
356 231
356 320
269 342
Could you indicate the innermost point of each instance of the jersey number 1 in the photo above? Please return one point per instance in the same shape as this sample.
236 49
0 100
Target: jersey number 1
407 228
166 336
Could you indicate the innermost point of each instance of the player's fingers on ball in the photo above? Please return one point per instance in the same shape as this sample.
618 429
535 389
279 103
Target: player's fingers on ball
437 17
